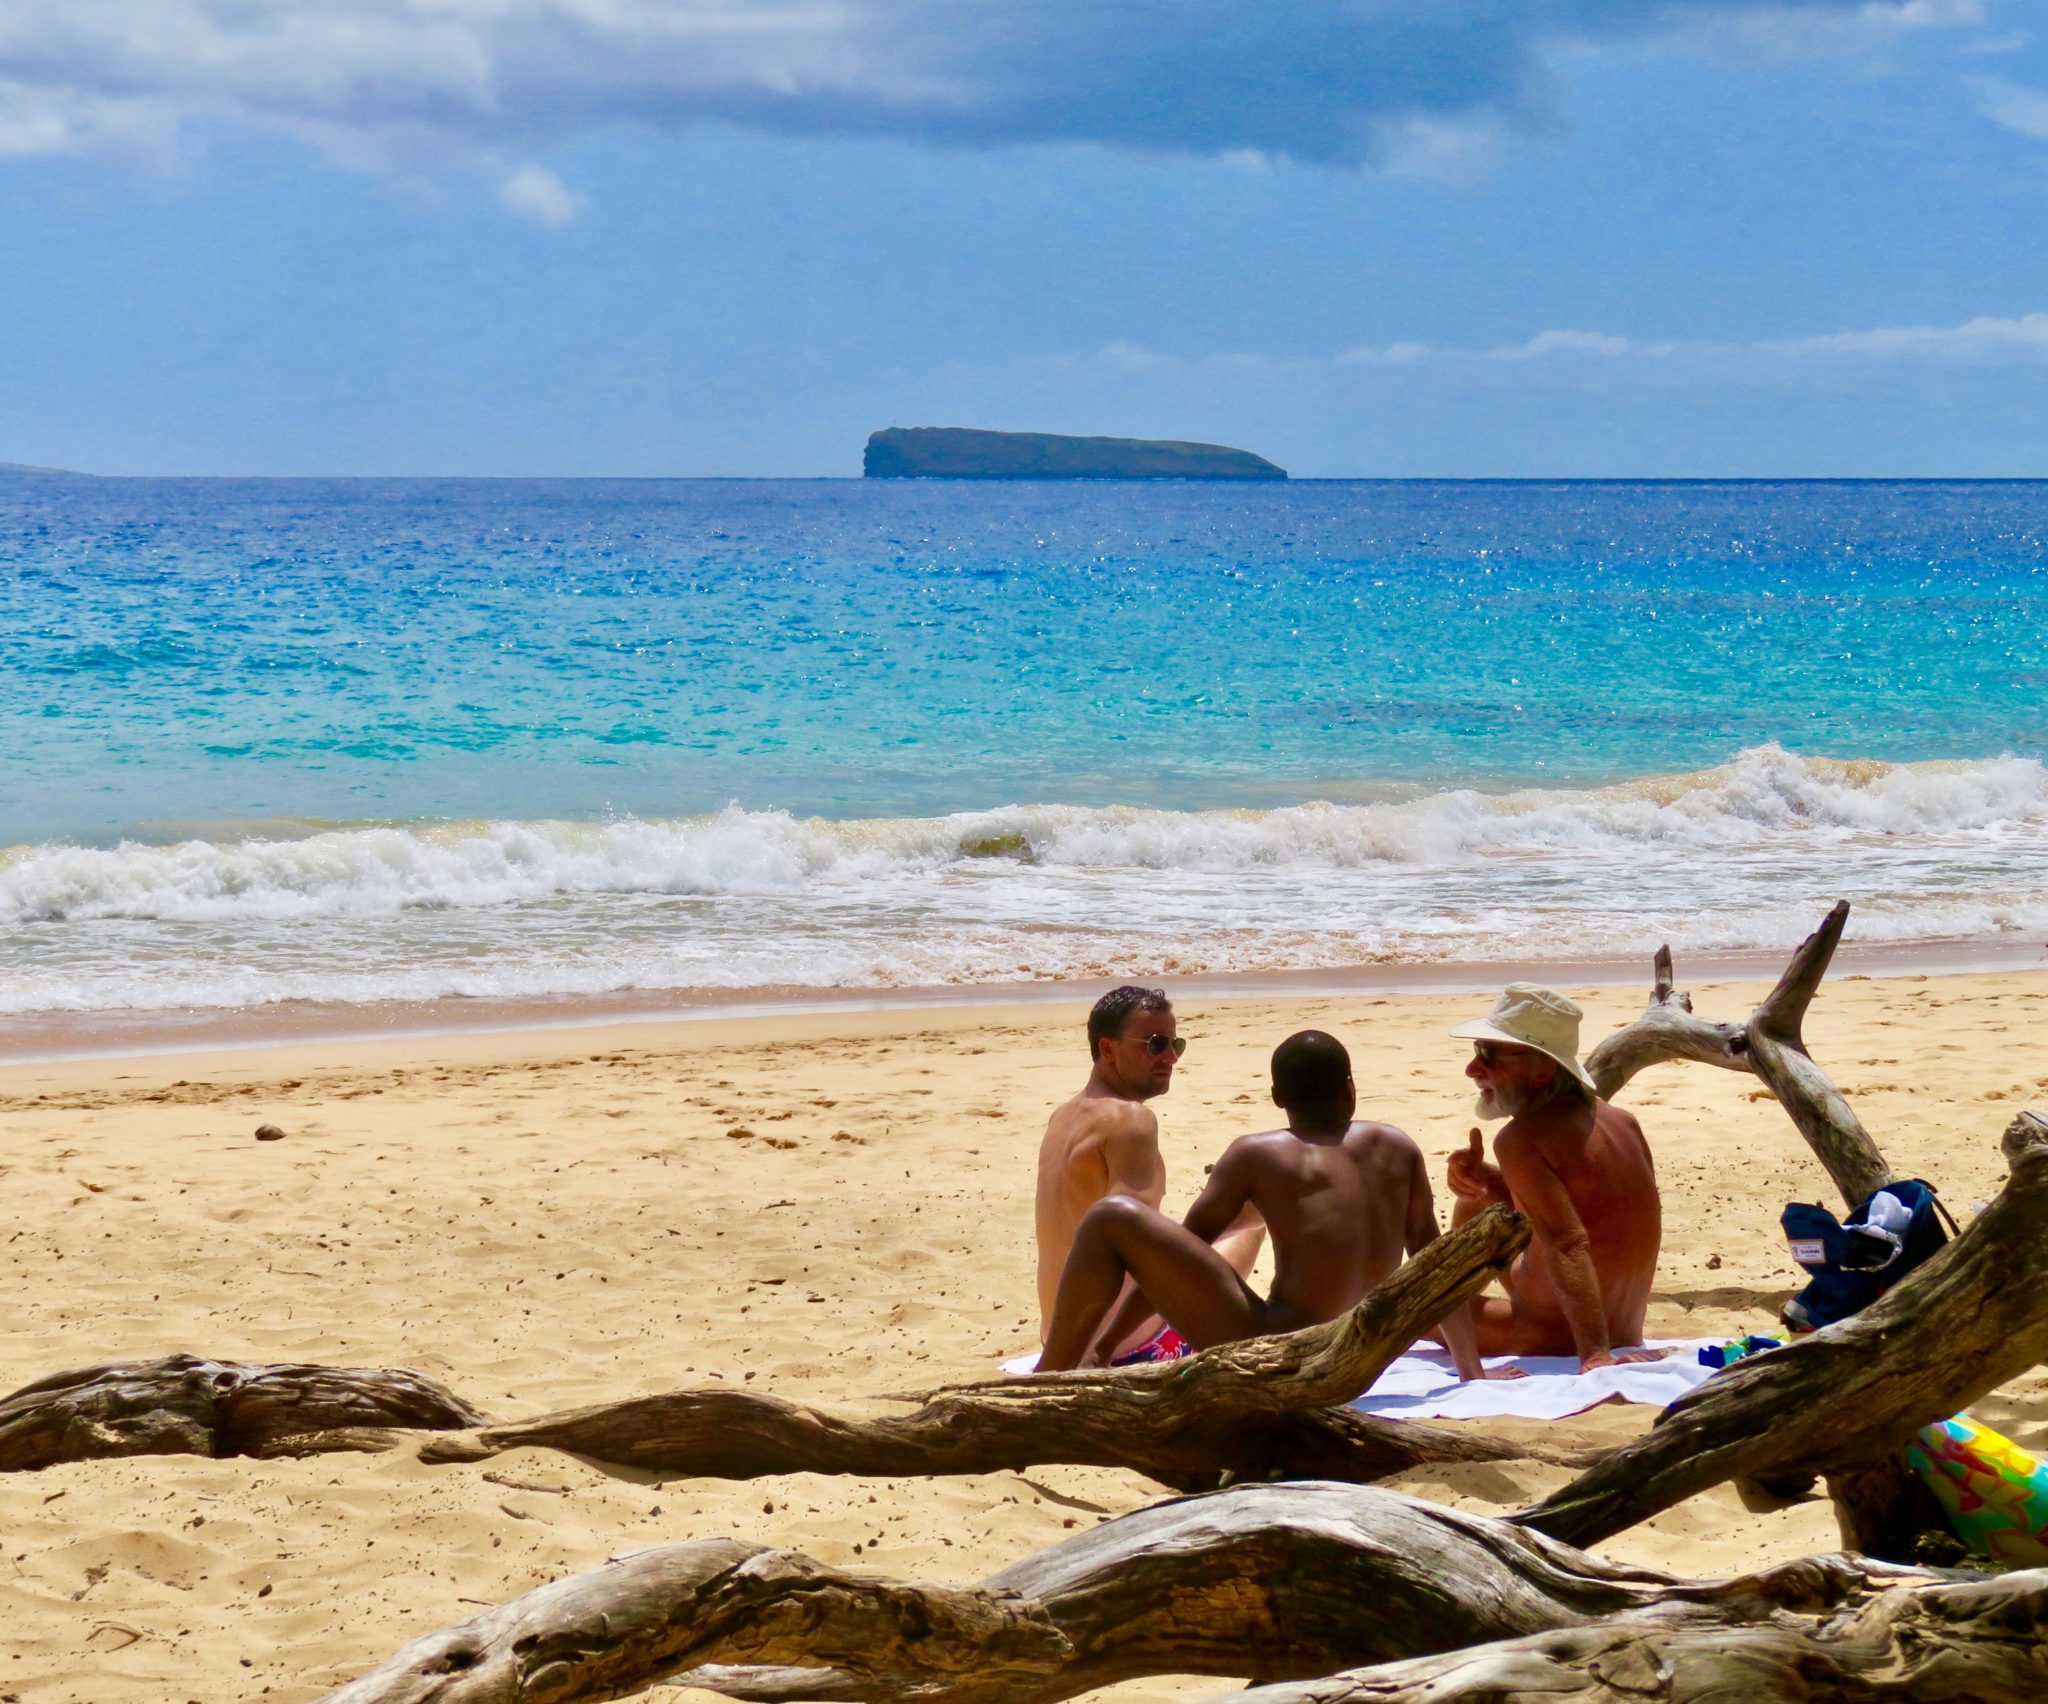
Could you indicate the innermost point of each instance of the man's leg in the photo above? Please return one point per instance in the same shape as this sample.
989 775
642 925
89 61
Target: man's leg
1182 1278
1240 1244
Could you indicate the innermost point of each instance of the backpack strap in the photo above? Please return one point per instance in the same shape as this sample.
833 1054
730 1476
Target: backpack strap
1942 1212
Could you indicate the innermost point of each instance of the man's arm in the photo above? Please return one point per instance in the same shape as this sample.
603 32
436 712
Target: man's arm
1133 1166
1459 1334
1475 1183
1130 1154
1567 1250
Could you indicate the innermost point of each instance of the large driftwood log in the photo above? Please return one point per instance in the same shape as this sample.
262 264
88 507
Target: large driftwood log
1842 1400
1273 1581
183 1405
1257 1409
1771 1046
1266 1408
1975 1642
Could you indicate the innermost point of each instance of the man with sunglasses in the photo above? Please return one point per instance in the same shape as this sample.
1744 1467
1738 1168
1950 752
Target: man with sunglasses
1105 1142
1579 1168
1345 1201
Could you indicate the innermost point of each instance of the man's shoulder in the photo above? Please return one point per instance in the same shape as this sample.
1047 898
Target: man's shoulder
1370 1136
1105 1118
1608 1116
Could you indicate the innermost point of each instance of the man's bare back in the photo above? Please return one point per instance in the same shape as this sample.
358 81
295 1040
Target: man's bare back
1340 1206
1582 1172
1344 1200
1105 1141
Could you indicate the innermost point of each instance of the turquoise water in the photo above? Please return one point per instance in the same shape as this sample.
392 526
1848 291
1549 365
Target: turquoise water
549 739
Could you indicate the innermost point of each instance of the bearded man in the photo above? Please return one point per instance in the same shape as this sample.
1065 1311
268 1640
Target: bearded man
1581 1172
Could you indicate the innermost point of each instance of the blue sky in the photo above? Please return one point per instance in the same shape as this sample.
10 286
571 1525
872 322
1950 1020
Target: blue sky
1383 237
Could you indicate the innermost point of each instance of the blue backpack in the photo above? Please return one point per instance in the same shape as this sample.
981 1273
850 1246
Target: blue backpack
1852 1262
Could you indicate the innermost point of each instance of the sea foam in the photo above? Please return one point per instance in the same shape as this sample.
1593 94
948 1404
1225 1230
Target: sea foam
1766 798
1741 856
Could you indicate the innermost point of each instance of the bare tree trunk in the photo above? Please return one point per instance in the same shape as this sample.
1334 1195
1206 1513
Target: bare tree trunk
1842 1400
183 1405
1260 1408
1771 1046
1976 1642
1274 1581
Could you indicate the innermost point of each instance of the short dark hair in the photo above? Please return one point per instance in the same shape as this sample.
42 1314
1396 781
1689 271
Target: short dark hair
1106 1018
1310 1069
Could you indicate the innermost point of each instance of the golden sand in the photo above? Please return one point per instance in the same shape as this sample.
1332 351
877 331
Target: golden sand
830 1207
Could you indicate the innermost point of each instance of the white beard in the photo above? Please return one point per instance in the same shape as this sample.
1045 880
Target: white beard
1487 1107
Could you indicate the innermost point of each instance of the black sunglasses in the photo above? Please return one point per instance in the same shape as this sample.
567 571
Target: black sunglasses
1158 1044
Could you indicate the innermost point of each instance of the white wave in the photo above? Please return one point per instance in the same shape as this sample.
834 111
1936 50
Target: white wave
1766 798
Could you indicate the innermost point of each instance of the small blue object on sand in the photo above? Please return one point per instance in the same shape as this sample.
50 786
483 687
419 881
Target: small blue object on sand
1719 1355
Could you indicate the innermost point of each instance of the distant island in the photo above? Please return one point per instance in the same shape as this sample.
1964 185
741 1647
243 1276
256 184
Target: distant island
960 452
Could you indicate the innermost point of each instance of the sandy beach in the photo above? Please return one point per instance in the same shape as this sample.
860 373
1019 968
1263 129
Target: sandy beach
830 1206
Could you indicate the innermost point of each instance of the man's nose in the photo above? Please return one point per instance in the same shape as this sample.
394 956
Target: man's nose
1474 1069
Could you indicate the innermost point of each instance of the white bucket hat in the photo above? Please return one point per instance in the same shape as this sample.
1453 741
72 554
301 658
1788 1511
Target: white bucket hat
1527 1015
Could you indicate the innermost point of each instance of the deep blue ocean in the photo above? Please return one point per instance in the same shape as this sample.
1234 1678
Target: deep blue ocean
363 741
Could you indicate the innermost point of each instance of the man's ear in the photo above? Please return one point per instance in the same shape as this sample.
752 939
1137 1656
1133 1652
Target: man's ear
1277 1101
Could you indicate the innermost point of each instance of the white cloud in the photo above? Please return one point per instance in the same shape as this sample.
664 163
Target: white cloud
1562 343
1386 355
1426 84
43 120
1980 339
2019 109
534 192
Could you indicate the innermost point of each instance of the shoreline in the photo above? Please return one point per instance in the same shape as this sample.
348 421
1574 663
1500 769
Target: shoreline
113 1036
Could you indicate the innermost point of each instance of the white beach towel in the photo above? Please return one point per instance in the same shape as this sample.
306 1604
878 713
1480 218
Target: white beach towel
1422 1385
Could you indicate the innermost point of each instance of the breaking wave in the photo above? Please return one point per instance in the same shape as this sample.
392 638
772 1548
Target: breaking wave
1767 798
1744 856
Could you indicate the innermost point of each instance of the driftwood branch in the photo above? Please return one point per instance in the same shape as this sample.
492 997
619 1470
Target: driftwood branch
1981 1641
183 1405
1273 1581
1842 1400
1263 1408
1771 1046
1267 1408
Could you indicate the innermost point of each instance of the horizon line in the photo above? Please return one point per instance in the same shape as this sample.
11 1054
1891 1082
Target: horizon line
12 472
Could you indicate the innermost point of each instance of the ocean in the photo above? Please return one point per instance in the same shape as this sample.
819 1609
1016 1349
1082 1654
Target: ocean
355 748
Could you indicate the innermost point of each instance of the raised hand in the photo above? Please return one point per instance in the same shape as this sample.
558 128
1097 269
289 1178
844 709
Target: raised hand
1468 1174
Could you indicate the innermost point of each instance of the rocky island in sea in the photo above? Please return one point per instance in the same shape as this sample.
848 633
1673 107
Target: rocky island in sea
960 452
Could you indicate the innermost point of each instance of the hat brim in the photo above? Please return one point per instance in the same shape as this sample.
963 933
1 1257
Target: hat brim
1481 1030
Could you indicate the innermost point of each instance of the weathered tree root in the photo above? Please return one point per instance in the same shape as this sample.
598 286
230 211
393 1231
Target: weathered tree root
1251 1410
1274 1581
183 1405
1770 1046
1973 1642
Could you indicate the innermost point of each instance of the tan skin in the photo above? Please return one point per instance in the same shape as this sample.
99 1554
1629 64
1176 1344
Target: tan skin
1582 1172
1105 1142
1344 1201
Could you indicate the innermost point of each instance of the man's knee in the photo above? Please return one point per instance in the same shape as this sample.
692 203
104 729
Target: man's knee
1114 1217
